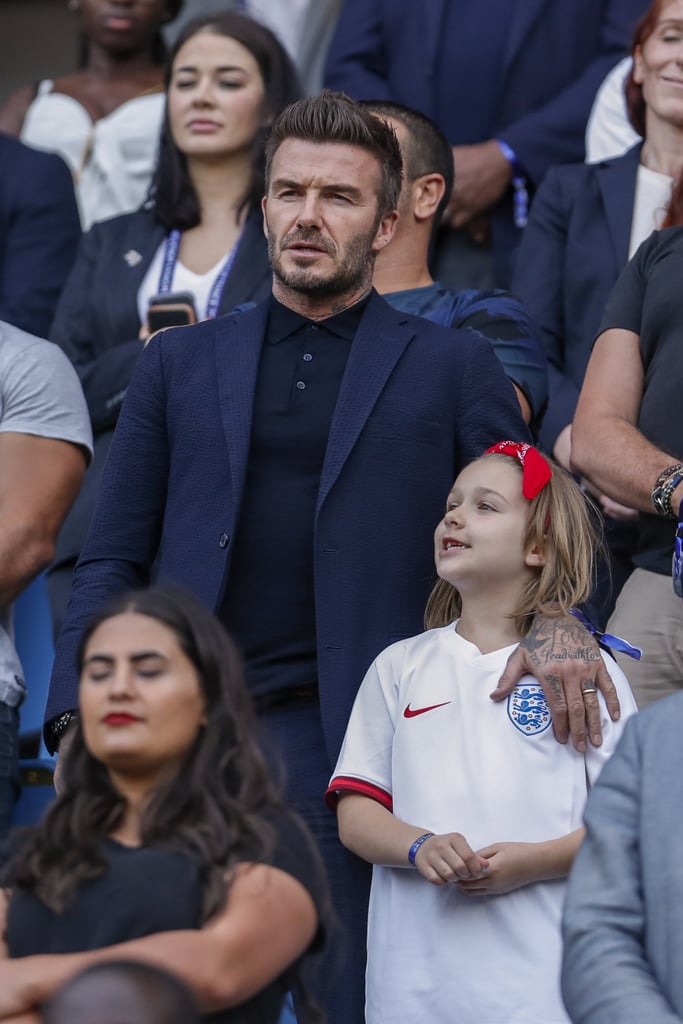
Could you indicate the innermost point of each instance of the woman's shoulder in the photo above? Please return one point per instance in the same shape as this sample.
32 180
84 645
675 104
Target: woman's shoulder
570 181
14 109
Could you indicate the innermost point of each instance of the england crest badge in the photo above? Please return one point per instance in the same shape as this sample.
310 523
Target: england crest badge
528 710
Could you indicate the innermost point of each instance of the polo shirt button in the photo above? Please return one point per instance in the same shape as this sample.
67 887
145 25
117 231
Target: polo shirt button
314 327
300 384
225 540
307 357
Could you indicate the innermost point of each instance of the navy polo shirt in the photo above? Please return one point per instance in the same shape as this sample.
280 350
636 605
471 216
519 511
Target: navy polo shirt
269 605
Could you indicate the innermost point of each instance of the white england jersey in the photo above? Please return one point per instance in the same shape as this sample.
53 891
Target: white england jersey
426 741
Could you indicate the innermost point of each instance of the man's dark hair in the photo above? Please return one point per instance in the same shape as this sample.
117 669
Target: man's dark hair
428 150
334 117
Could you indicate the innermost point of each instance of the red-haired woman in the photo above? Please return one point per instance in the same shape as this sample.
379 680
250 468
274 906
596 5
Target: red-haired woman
585 222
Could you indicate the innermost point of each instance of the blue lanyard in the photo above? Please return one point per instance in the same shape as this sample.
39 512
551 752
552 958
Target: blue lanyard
615 643
168 267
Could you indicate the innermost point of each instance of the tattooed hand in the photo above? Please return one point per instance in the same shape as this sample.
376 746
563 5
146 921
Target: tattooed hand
562 655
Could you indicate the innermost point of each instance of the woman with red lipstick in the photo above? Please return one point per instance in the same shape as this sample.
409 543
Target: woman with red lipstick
167 843
103 119
201 232
452 797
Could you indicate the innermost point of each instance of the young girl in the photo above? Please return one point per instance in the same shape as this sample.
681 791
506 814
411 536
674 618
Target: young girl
437 784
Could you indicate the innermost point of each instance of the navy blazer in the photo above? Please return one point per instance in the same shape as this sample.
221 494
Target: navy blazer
557 52
417 402
573 250
97 324
39 234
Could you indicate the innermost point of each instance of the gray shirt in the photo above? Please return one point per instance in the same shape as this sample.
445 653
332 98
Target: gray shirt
40 394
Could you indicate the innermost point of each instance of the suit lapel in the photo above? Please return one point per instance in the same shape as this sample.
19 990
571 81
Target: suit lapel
617 183
379 343
238 343
138 248
525 13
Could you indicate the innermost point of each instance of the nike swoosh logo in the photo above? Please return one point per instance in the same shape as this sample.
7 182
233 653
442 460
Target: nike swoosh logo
413 712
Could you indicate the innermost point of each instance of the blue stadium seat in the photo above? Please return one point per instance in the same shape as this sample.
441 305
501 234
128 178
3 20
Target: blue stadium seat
33 638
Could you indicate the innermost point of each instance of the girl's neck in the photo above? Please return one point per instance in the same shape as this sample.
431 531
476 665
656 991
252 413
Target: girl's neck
220 186
136 793
486 621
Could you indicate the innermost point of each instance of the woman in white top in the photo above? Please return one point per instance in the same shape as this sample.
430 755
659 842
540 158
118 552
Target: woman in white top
201 232
585 222
103 119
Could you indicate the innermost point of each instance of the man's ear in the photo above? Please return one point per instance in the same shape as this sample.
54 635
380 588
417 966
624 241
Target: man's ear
535 557
385 231
428 191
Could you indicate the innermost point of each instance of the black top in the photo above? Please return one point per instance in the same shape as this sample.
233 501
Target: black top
648 300
269 605
146 890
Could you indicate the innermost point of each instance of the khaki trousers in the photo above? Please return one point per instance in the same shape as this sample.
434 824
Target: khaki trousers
649 615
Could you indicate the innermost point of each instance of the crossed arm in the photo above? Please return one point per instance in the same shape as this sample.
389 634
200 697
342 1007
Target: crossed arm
40 478
268 921
371 831
605 424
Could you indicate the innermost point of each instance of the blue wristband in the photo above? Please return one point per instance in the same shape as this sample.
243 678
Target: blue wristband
412 852
520 198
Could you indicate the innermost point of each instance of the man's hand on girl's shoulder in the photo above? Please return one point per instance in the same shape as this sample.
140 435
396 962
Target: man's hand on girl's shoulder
565 659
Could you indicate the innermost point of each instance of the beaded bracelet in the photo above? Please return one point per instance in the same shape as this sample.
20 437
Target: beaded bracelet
412 852
665 484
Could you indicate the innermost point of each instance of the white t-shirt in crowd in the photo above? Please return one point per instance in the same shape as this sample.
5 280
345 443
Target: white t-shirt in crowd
425 740
653 192
182 280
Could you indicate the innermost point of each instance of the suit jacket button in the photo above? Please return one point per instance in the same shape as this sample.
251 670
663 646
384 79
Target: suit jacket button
225 540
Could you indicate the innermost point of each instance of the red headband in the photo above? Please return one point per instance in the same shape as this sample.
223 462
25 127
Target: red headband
536 470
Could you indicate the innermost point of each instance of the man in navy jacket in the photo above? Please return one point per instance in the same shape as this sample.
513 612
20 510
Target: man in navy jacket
518 72
288 464
39 233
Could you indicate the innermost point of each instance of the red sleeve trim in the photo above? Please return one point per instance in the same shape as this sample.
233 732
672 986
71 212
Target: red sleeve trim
348 784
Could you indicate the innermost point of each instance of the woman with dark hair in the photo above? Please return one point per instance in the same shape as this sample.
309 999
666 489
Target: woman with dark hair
201 232
104 118
586 220
167 842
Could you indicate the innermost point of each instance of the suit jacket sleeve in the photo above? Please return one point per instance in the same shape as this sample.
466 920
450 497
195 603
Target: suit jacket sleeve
538 280
126 527
41 234
357 60
554 133
490 410
81 329
606 976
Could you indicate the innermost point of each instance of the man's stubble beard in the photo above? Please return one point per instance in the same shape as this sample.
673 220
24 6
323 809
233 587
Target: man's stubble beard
353 273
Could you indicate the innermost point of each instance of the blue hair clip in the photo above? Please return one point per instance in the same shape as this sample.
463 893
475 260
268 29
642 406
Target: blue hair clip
615 643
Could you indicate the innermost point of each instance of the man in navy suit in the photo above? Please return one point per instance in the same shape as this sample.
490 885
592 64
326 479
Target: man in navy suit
509 82
39 233
288 464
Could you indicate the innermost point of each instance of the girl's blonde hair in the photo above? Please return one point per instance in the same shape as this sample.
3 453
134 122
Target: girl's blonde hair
563 525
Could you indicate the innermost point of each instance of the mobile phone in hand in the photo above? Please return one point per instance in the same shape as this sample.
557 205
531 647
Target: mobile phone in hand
175 309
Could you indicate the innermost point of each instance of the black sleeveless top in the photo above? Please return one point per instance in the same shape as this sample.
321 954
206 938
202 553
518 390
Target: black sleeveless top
146 890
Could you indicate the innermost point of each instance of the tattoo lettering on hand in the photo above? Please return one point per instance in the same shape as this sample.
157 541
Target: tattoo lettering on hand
555 685
558 639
